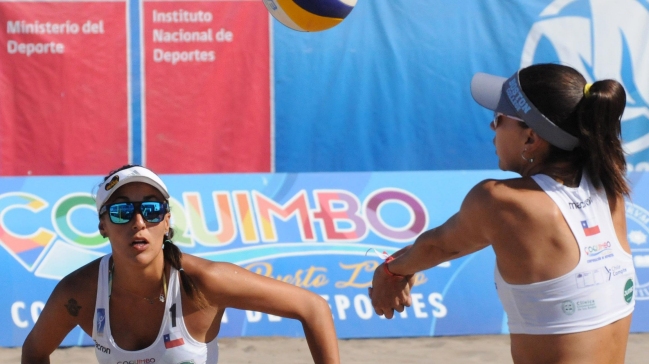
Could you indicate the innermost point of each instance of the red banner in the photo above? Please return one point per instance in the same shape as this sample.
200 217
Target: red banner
63 87
207 86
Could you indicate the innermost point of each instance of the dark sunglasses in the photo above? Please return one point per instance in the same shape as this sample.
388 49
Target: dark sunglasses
123 212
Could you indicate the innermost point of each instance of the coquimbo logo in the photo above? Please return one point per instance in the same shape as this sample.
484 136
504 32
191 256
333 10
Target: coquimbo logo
138 361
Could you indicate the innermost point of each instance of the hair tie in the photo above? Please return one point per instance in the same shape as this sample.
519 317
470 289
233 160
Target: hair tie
587 89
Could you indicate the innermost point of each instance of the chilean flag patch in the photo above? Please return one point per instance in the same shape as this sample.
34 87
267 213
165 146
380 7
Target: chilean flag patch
589 230
172 340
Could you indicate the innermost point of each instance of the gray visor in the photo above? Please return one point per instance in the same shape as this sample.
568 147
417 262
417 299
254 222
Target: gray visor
506 96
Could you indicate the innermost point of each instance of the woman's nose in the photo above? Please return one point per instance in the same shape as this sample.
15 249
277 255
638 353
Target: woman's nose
138 221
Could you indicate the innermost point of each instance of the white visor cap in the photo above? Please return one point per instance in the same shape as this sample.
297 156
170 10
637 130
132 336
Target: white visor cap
128 175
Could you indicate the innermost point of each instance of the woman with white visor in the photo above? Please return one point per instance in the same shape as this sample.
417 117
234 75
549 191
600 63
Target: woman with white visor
147 302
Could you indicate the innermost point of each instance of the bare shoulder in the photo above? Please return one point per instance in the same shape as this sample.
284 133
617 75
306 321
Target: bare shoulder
500 193
207 273
216 279
196 266
80 283
509 201
73 300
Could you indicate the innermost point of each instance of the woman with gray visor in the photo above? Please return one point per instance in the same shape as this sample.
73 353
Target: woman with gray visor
564 272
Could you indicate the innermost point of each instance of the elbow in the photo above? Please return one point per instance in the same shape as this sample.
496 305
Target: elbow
32 355
30 358
316 308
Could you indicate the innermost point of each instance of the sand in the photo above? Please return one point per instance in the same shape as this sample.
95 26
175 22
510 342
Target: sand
457 349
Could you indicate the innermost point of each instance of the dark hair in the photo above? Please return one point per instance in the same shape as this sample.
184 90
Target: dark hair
594 117
173 256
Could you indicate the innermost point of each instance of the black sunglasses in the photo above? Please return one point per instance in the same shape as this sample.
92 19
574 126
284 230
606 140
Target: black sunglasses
123 212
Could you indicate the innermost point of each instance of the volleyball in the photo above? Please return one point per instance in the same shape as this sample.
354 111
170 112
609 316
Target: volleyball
310 15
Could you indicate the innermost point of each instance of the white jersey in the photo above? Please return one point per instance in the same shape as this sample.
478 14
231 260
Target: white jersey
597 292
174 344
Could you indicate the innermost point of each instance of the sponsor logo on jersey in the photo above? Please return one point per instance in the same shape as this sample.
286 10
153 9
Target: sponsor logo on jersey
583 305
568 307
598 249
580 204
628 291
617 270
101 321
138 361
102 348
591 278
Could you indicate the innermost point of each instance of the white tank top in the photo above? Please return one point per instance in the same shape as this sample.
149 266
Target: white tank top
173 345
599 291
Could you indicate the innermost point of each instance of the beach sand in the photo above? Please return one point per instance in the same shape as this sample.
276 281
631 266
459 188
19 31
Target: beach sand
454 349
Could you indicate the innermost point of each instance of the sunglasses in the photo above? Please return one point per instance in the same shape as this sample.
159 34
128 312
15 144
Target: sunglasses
123 212
497 116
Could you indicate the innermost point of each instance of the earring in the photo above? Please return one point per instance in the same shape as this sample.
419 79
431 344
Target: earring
530 160
165 240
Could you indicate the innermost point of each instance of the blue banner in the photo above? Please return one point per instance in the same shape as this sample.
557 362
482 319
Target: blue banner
312 230
388 88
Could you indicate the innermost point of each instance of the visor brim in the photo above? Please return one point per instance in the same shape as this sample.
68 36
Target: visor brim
486 90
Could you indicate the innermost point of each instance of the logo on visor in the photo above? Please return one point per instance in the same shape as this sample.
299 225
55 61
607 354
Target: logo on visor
112 183
515 96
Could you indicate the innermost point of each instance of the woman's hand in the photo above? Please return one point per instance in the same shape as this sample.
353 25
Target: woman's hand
390 293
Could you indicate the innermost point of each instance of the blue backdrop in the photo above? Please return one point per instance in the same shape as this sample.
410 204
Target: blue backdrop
388 88
312 230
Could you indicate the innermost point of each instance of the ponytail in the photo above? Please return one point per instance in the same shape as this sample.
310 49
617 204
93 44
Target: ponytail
173 255
599 115
592 113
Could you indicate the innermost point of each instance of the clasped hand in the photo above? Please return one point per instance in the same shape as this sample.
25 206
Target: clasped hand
390 293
